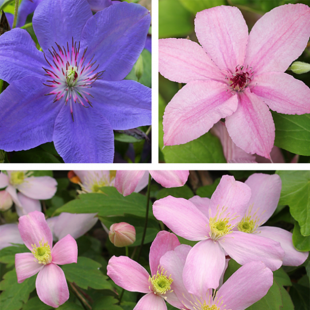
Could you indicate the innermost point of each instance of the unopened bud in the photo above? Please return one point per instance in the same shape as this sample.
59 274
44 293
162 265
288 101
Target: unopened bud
5 201
122 234
299 67
139 67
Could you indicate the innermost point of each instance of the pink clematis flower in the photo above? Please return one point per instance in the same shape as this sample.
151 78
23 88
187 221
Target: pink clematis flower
265 196
51 282
211 222
9 234
128 182
30 188
236 76
159 287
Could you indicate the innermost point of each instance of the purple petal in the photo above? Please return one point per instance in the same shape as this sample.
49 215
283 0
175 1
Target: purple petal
25 8
87 139
52 286
126 104
98 5
33 229
60 21
27 116
117 36
19 56
26 266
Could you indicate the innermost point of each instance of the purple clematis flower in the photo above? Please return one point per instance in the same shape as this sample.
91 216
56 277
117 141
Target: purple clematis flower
73 92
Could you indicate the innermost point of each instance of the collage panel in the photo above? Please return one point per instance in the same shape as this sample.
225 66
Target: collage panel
75 81
178 239
234 81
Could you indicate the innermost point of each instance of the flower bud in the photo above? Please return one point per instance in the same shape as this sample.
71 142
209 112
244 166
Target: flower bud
122 234
299 67
5 201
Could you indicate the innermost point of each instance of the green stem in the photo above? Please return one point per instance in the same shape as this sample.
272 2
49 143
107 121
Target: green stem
121 296
15 13
80 297
148 130
26 26
146 215
127 252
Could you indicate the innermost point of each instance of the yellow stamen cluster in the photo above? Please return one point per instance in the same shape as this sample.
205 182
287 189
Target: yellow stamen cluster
219 225
42 253
250 222
17 177
160 283
207 307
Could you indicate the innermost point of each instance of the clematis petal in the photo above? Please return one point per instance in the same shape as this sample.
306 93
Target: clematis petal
38 187
254 116
128 274
26 266
89 131
74 224
244 248
9 234
19 56
282 93
182 61
232 195
246 286
98 5
182 217
25 8
127 181
203 268
50 26
12 191
202 204
223 33
278 38
163 243
117 45
65 251
232 152
27 116
4 180
292 256
27 205
151 301
33 229
265 196
52 286
195 109
170 178
126 104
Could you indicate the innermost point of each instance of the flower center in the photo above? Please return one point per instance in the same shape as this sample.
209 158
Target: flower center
219 224
240 79
207 307
17 177
250 222
71 75
42 253
161 284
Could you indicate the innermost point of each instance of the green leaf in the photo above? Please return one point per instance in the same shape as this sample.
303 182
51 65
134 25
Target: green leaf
174 19
296 194
282 277
300 297
5 3
293 132
271 301
205 149
42 173
195 6
70 306
86 273
286 299
125 138
36 304
300 242
110 203
106 303
15 294
35 155
208 190
178 192
7 255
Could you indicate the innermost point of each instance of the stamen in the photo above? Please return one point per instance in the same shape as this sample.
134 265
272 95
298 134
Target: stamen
18 177
160 283
250 222
42 253
240 79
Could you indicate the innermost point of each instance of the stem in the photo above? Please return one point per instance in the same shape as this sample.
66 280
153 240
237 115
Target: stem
15 13
127 252
146 215
121 296
80 297
26 26
148 130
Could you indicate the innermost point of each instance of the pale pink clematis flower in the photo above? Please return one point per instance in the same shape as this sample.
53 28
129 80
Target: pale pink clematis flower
51 282
31 190
236 75
266 190
128 182
9 234
234 154
159 287
211 222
